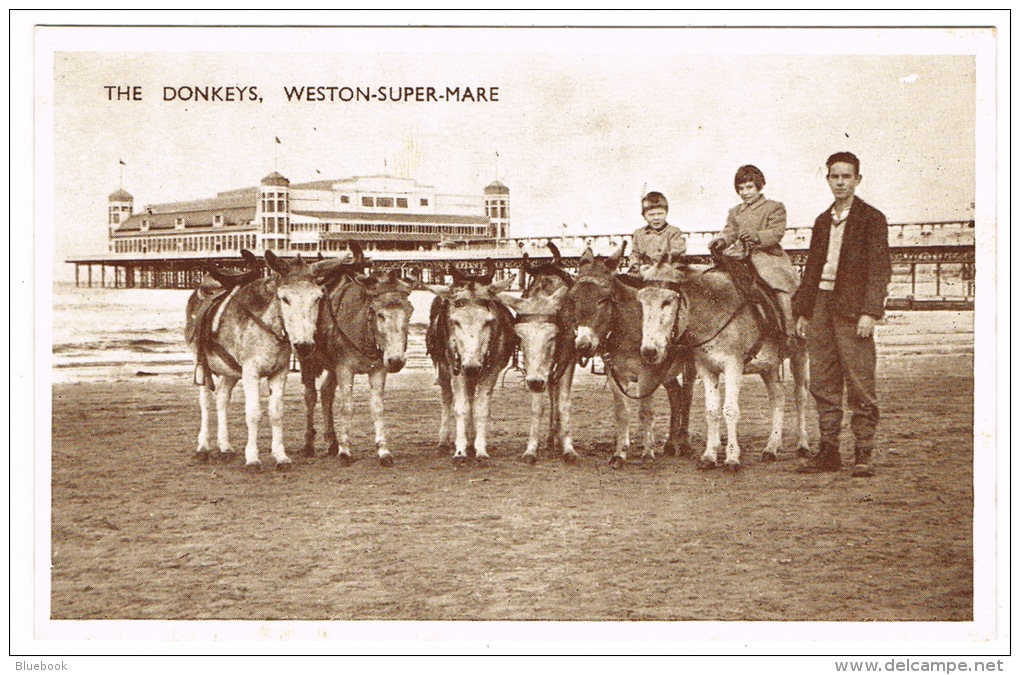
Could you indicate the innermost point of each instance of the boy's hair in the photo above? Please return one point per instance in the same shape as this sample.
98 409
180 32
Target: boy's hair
654 200
749 174
848 157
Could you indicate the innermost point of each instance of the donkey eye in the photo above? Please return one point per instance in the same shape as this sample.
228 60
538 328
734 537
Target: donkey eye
286 301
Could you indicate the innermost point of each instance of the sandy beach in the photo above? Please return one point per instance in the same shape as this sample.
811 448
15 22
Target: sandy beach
141 531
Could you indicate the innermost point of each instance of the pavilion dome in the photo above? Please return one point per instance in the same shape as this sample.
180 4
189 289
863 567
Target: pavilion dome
276 179
121 196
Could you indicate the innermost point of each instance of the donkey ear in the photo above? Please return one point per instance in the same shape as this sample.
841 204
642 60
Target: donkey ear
511 300
248 256
503 284
613 261
588 256
557 296
277 264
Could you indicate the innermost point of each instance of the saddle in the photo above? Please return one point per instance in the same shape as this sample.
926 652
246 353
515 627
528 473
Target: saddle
215 287
753 288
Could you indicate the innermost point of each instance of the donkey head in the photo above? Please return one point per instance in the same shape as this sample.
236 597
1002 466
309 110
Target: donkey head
299 289
664 309
472 319
389 311
591 302
537 328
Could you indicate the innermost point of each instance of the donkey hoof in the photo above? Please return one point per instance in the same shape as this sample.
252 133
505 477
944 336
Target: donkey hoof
345 459
804 451
731 467
707 464
253 467
669 449
768 457
226 457
482 462
386 460
570 457
202 456
333 448
529 458
283 466
308 451
460 459
648 459
617 462
684 449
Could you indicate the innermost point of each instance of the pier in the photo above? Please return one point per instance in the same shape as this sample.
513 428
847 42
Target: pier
933 263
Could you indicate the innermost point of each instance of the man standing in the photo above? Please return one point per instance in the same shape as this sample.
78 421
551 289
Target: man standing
841 296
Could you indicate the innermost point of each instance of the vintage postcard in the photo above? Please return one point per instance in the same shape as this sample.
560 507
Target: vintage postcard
495 379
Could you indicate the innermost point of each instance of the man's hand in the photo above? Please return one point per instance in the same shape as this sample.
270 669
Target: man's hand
802 325
717 244
750 239
865 326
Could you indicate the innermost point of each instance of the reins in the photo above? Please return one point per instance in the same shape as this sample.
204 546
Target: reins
344 335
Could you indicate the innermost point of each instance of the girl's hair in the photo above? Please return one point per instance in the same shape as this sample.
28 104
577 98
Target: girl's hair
654 200
749 174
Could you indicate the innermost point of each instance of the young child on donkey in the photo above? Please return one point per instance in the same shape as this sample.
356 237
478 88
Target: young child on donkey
759 224
657 237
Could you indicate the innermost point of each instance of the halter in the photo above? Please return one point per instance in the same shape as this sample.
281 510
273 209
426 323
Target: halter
377 356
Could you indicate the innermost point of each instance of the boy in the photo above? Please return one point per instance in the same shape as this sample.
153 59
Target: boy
840 298
657 237
760 224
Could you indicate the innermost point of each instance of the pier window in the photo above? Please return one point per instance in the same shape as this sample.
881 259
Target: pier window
218 220
424 201
367 201
401 202
179 222
344 199
386 202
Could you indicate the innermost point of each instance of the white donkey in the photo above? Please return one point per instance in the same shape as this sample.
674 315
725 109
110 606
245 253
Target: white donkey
249 339
701 310
547 347
470 339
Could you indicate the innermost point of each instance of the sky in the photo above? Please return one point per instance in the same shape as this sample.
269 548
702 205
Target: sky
586 119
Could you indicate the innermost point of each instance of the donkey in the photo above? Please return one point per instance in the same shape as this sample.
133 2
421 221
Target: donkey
547 346
250 340
606 317
362 329
702 310
470 339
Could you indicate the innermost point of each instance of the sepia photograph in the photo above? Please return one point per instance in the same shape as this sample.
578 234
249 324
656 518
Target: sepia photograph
643 338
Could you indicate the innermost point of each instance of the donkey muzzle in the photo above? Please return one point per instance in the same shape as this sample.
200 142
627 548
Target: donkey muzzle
394 364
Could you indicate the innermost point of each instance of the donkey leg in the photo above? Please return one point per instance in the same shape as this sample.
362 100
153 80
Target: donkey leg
277 386
621 414
709 459
483 396
202 451
311 398
345 384
680 397
646 417
731 411
223 394
799 367
445 441
552 438
563 394
535 428
777 401
377 382
252 415
461 404
327 392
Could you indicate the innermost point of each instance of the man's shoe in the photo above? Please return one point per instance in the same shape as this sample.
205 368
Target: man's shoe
827 460
862 463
